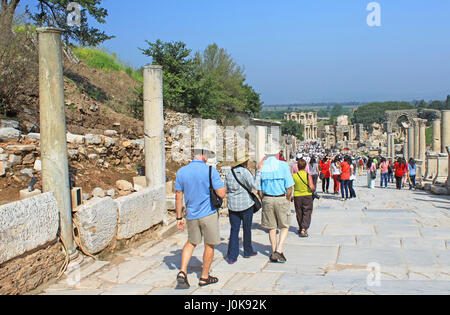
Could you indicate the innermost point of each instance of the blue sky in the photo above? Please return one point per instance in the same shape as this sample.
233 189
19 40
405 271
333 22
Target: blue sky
301 51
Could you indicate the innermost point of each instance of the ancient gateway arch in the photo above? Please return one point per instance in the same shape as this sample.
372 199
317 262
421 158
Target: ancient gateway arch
393 116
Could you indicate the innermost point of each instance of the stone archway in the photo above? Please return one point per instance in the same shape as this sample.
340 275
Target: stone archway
393 116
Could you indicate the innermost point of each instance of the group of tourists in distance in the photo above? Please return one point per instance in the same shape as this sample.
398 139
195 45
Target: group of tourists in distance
279 184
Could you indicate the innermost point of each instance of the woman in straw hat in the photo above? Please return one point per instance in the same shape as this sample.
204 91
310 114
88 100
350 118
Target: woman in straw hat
241 207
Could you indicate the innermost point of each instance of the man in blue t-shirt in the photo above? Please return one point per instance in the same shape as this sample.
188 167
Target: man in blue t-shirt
276 189
193 185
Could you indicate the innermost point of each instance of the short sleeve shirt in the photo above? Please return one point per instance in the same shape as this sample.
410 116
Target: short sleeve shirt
276 177
193 180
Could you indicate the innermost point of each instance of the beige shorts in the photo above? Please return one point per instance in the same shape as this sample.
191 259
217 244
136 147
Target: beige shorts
276 213
207 227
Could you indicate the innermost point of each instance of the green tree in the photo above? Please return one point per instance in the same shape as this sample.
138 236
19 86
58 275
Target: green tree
375 112
53 13
293 128
179 79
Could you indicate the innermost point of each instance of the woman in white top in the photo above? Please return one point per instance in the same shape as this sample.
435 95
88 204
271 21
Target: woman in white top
352 179
371 173
336 172
314 170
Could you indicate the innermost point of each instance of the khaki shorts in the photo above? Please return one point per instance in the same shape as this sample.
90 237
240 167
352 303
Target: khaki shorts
207 227
276 213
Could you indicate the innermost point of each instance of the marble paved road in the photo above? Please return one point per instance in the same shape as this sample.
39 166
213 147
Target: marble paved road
385 242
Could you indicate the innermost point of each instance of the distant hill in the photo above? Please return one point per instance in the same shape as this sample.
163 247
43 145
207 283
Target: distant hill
312 106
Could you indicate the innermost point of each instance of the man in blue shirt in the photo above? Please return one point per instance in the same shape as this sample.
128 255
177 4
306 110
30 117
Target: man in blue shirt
193 185
276 189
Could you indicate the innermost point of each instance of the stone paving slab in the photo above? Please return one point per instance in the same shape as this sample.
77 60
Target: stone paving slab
412 287
348 229
362 256
378 241
406 233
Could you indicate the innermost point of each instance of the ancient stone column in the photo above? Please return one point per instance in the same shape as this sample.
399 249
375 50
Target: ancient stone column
416 138
445 127
436 144
411 141
389 146
448 177
422 139
155 160
393 145
55 164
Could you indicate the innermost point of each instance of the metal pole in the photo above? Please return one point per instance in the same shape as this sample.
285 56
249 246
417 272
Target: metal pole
55 164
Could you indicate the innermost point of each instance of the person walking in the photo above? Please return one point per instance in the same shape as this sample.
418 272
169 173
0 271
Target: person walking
193 183
303 198
360 166
276 189
390 171
336 173
314 170
412 173
345 177
384 170
325 174
352 180
400 170
241 207
371 173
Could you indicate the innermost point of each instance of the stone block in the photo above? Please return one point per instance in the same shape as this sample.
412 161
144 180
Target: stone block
439 190
24 194
97 223
9 133
110 133
140 181
4 157
93 139
98 192
140 211
15 159
33 136
27 224
124 185
75 139
21 148
9 124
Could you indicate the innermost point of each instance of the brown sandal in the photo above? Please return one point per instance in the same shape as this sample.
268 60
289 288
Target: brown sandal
182 281
210 280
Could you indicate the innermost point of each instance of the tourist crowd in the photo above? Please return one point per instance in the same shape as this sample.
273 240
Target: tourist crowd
202 190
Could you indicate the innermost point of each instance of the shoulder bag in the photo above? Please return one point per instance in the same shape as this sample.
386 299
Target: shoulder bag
215 200
315 195
255 199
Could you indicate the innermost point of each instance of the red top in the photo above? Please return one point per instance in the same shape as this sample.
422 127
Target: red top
325 168
345 171
400 169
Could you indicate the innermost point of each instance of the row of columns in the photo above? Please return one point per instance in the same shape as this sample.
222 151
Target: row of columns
55 163
417 146
311 133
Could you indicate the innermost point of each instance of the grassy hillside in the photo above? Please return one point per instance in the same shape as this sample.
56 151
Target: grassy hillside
101 59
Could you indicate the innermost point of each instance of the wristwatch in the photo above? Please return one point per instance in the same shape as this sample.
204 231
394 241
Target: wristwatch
179 219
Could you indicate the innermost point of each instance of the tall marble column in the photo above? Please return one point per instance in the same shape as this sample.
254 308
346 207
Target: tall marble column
155 159
445 127
422 139
436 144
411 138
55 163
416 138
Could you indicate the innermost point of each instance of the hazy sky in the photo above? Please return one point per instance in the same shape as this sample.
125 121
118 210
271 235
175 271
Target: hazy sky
302 50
